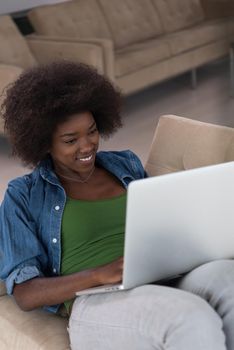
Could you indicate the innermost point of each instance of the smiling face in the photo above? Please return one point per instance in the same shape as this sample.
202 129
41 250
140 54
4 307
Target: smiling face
75 144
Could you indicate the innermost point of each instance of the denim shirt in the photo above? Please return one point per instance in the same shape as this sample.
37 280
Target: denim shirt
31 216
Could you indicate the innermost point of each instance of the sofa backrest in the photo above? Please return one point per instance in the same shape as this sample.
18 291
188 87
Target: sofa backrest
131 21
14 49
179 14
181 144
80 18
124 21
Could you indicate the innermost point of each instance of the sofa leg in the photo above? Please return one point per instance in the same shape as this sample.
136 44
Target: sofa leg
194 78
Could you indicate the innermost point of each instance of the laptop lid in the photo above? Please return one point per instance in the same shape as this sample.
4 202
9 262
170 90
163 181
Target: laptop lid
178 221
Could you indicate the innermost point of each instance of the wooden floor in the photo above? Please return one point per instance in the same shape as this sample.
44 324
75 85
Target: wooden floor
210 102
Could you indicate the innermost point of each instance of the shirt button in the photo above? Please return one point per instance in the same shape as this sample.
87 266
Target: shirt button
54 270
57 207
54 240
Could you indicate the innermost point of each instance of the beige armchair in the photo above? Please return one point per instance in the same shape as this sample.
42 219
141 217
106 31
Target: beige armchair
178 144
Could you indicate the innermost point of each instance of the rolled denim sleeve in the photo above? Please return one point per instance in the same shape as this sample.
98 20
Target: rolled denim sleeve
21 275
22 255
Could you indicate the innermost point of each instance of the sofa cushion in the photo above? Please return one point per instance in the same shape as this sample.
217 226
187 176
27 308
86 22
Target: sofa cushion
179 14
80 18
37 330
14 49
197 36
140 55
131 21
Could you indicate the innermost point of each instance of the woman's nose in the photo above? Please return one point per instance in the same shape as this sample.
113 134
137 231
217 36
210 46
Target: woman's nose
85 145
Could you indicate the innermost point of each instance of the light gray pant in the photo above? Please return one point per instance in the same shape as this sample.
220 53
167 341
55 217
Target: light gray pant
214 282
158 317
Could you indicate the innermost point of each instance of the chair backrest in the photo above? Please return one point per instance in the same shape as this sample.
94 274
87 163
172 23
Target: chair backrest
14 49
181 144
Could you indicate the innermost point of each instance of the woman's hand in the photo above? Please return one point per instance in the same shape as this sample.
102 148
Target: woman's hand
110 273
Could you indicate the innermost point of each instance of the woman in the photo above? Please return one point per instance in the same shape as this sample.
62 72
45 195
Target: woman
62 226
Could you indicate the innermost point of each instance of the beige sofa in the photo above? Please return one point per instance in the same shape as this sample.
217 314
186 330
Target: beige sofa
178 144
143 41
18 53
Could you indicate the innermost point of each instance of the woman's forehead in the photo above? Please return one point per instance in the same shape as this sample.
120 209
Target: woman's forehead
75 123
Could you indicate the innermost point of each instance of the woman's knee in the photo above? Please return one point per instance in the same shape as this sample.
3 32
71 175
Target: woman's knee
210 279
184 318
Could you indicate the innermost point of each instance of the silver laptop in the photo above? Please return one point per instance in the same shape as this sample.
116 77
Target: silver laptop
176 222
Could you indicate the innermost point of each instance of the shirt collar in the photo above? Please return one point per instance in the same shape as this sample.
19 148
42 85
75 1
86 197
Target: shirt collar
105 159
46 171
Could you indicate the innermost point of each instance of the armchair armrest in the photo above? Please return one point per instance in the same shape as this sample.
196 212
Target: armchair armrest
192 144
94 51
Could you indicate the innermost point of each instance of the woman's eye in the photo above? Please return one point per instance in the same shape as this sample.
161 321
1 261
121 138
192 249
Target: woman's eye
93 131
70 141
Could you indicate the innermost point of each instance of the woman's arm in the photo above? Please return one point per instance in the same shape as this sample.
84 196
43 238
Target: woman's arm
41 291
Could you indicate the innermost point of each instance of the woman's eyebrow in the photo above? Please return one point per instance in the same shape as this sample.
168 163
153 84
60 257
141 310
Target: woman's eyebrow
91 126
68 134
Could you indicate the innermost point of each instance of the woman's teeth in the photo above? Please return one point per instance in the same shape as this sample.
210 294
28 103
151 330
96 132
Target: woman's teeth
86 159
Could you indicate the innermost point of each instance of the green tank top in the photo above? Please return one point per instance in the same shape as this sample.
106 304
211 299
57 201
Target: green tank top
92 233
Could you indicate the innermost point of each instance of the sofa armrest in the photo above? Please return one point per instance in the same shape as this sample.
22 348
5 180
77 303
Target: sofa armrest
49 50
94 51
218 8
